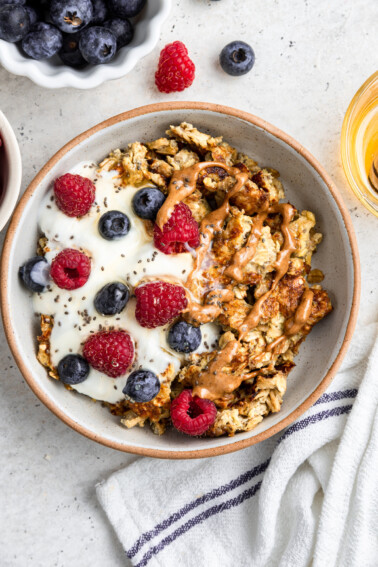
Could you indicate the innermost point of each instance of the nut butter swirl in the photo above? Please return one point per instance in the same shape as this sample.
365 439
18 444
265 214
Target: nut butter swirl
214 382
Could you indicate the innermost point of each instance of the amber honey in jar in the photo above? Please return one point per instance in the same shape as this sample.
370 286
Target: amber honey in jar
359 143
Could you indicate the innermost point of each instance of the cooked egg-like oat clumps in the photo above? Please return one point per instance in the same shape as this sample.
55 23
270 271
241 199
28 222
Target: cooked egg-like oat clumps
265 351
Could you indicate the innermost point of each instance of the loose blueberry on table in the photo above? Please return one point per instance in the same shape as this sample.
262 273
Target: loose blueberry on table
237 58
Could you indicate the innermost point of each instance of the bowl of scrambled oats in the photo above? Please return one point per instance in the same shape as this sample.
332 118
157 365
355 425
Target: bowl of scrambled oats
220 310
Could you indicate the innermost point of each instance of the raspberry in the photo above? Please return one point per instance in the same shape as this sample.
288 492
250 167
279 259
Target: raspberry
158 303
110 352
74 194
180 229
192 415
70 269
175 70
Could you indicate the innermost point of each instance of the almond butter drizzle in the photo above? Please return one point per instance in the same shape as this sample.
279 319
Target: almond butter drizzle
183 183
245 254
213 383
300 318
281 266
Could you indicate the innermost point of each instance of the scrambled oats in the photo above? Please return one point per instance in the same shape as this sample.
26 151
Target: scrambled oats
261 394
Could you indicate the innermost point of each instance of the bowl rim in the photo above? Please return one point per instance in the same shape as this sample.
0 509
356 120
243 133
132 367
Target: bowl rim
12 187
196 453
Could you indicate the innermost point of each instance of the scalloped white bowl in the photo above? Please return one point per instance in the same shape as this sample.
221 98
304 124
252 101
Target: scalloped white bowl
52 74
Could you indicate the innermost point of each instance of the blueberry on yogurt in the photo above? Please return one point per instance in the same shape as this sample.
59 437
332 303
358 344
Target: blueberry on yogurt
183 337
35 273
142 386
73 369
114 225
147 202
112 298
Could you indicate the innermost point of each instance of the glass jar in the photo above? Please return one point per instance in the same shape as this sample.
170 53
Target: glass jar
359 142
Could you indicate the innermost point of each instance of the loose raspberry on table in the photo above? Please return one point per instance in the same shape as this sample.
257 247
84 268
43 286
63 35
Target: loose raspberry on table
176 70
159 303
180 232
192 415
70 269
74 194
110 352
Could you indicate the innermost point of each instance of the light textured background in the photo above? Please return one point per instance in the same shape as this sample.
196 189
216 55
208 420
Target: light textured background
311 57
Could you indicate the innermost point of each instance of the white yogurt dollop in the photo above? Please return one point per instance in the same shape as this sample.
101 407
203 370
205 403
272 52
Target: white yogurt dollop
127 260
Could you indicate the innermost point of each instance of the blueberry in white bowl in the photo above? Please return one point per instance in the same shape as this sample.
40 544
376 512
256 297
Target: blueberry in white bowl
70 53
122 29
14 22
71 16
100 11
126 8
98 45
43 41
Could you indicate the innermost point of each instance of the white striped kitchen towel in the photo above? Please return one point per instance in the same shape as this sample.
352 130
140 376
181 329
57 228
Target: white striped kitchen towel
307 496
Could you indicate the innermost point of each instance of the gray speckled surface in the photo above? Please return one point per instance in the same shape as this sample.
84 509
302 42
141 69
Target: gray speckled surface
310 60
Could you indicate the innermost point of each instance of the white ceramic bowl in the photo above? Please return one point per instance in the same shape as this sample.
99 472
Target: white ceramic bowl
52 74
10 170
307 186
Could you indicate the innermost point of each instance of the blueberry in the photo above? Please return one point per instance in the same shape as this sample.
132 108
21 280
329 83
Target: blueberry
98 45
122 29
71 16
33 15
35 273
183 337
237 58
14 23
70 53
112 298
12 2
147 202
126 8
113 225
142 386
73 369
100 11
42 41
